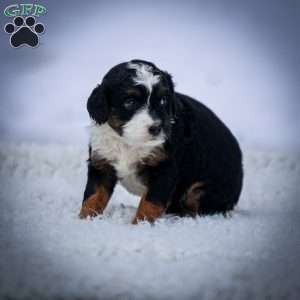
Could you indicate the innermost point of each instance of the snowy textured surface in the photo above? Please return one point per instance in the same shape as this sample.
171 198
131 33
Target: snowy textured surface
46 251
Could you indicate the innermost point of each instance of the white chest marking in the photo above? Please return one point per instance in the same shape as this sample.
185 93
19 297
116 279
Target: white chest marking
106 143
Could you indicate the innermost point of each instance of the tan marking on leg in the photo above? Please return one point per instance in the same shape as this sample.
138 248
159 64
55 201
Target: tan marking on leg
147 211
95 204
191 200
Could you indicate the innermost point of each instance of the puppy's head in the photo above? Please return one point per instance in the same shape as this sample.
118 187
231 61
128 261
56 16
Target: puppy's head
137 100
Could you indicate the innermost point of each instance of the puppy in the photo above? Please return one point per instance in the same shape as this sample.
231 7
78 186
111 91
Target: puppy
166 147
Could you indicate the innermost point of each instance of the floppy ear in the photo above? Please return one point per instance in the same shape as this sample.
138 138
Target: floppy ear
175 105
97 105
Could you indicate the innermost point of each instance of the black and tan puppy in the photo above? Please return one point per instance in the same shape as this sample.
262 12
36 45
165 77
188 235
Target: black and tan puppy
159 144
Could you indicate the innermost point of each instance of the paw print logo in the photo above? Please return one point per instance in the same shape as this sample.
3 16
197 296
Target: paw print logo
24 32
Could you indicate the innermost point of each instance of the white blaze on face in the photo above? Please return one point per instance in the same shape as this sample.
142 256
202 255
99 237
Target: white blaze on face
136 130
144 76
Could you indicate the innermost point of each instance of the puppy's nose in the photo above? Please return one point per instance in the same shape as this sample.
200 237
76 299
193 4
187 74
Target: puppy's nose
155 129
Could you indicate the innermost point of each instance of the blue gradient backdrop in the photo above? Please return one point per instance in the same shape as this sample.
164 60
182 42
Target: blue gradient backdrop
240 58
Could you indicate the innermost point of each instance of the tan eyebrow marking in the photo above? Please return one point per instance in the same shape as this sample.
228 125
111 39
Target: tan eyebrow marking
162 91
134 92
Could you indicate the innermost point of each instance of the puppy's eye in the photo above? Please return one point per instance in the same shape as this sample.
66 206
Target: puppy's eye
163 101
129 103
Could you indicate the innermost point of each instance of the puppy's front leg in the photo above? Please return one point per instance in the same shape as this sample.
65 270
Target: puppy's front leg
155 201
148 210
99 188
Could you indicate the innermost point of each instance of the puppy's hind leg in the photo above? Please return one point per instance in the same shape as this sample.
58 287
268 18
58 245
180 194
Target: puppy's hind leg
191 200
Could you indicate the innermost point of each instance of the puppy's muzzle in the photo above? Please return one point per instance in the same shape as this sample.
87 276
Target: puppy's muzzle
155 129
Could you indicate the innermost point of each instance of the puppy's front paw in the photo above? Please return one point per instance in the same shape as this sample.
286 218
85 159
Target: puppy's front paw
91 207
148 211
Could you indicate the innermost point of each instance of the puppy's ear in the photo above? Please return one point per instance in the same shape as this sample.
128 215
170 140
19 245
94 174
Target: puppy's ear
175 105
176 108
97 104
